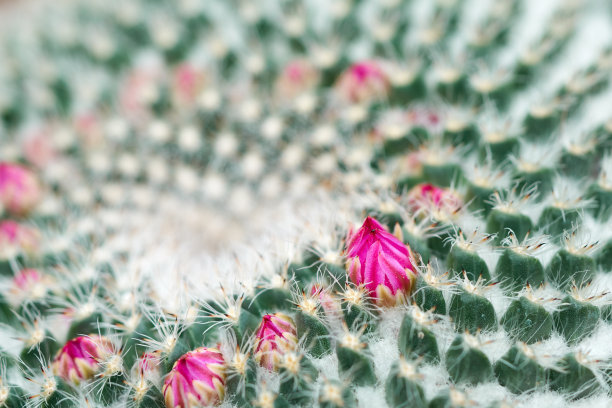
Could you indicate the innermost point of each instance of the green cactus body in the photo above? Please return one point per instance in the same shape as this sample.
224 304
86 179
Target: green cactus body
604 257
407 86
480 196
499 146
573 377
438 244
601 194
578 164
462 258
531 175
58 394
110 390
500 222
241 382
466 363
541 121
459 133
334 394
472 312
84 325
398 144
402 388
555 220
298 377
452 398
576 319
416 340
310 328
442 174
273 299
149 397
428 296
40 344
519 371
12 397
353 361
514 269
527 321
566 268
418 244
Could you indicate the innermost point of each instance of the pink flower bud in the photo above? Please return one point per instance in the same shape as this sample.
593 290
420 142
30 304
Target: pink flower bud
89 127
38 148
298 77
138 91
363 82
19 188
80 358
428 119
188 82
148 363
16 238
197 379
26 278
427 197
276 335
380 262
328 302
30 284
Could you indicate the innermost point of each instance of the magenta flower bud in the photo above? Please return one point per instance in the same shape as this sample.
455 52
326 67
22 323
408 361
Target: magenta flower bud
381 263
433 199
197 379
80 358
16 238
363 82
20 190
298 77
275 336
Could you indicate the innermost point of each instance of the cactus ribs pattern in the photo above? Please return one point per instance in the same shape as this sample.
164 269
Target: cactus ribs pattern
330 203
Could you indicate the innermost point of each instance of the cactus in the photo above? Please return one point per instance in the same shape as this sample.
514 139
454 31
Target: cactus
347 203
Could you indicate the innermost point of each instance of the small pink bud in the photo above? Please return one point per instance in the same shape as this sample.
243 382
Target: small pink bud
15 238
328 302
148 363
30 284
428 119
26 278
138 91
80 358
20 190
38 148
188 82
275 336
363 82
89 127
148 367
428 197
197 379
298 77
380 262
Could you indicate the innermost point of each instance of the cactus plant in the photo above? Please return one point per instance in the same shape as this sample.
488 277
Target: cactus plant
344 203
